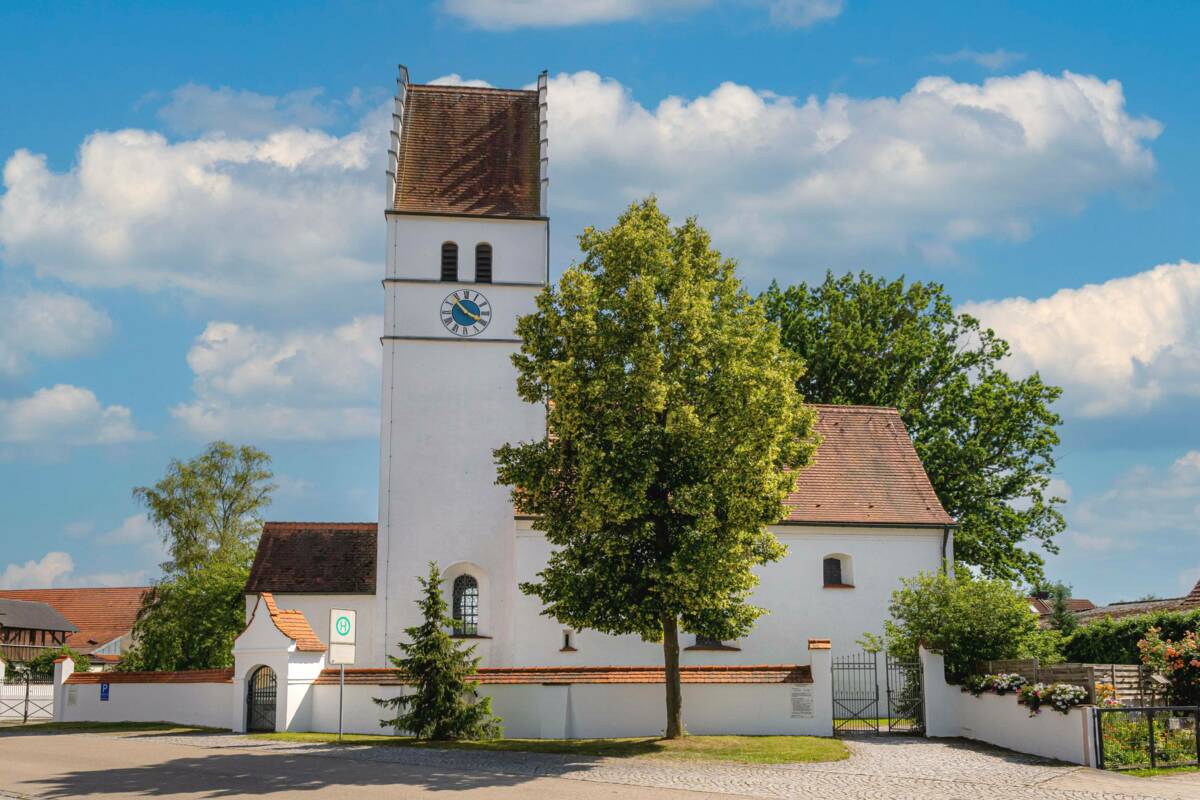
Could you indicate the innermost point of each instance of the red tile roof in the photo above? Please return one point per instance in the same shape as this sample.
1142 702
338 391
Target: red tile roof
466 150
865 471
100 614
1074 605
294 625
315 557
191 676
761 673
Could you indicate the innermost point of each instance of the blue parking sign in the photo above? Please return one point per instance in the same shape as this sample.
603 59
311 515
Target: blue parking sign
104 692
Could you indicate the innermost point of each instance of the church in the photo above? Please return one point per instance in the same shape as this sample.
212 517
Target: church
468 217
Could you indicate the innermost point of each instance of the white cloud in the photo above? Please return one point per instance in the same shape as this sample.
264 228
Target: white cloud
49 325
993 60
64 415
803 13
57 569
1144 502
194 109
306 384
1119 346
813 181
47 572
454 79
268 220
508 14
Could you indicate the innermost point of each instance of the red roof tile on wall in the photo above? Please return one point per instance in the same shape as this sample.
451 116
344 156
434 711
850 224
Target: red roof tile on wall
865 471
100 614
762 673
191 676
294 625
467 150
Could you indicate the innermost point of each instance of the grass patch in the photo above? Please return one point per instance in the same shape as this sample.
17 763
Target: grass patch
741 749
1150 773
104 727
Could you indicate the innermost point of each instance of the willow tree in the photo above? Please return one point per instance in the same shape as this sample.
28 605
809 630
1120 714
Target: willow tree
672 421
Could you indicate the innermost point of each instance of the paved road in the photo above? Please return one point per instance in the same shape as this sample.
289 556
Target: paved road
225 766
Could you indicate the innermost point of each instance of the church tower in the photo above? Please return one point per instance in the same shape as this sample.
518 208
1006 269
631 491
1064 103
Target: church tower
467 254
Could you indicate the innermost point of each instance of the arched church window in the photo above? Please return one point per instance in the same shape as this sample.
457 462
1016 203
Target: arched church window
483 263
466 606
449 261
836 571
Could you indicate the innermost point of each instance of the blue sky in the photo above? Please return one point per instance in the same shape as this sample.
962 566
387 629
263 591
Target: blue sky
191 232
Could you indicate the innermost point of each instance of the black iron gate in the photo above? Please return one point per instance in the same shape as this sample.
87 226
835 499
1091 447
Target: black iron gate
906 706
260 700
865 702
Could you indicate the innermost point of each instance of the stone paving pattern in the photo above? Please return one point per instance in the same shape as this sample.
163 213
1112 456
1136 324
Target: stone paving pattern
879 768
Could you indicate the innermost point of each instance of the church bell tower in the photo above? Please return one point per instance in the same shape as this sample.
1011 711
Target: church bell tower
467 254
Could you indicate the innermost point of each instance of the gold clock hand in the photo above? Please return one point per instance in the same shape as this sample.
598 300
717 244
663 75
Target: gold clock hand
463 309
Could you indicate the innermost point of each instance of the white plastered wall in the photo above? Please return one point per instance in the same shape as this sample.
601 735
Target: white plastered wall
264 644
316 608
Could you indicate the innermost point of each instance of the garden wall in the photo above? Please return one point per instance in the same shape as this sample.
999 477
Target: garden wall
1002 721
188 698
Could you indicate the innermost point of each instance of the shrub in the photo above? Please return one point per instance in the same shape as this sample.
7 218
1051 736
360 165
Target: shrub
968 620
1115 641
1060 696
1178 661
1000 683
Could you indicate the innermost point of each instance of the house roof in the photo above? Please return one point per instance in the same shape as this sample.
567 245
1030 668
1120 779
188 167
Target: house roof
1074 604
751 673
467 150
865 471
294 625
314 558
1189 602
32 615
100 614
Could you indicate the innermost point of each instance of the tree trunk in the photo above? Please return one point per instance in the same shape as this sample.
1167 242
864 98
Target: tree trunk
671 668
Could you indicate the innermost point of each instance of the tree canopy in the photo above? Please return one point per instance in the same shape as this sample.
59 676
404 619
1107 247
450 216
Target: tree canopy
986 439
672 418
208 509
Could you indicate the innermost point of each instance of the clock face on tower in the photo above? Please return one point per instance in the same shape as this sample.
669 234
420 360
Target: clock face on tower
465 312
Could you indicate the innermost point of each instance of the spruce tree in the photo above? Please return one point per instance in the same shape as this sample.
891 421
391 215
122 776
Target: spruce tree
445 704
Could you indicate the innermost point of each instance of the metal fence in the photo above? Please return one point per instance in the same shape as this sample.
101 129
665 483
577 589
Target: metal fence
1147 737
24 699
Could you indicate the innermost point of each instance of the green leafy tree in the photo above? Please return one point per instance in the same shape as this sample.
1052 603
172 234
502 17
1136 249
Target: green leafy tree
986 439
968 620
1115 641
42 665
208 510
191 620
672 420
444 704
1062 619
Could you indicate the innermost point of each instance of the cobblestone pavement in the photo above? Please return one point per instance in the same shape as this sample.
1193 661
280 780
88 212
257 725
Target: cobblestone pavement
880 768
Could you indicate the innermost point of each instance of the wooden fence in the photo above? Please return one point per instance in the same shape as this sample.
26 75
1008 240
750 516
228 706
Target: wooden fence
1134 683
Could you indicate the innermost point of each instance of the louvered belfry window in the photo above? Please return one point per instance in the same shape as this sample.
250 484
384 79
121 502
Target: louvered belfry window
833 572
450 261
483 263
466 606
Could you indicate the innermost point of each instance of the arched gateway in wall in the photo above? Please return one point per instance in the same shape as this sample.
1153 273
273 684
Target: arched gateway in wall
260 700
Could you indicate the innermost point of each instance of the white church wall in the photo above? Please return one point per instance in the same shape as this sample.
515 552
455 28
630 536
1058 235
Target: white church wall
204 704
415 246
791 590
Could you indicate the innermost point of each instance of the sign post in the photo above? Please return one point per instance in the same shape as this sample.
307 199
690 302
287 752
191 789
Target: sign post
343 625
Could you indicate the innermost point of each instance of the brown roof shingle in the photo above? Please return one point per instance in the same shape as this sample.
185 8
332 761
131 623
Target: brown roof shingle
100 614
755 673
294 625
190 676
865 470
315 558
466 150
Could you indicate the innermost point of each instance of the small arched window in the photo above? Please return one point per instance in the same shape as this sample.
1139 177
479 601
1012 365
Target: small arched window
836 572
449 261
483 263
466 606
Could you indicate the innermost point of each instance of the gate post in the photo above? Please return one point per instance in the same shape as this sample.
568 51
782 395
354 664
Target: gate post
820 664
64 667
939 698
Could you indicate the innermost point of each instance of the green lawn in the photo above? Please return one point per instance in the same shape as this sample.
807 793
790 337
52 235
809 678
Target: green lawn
744 749
103 727
1150 773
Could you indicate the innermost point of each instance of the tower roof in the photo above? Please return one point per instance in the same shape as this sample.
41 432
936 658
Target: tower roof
469 150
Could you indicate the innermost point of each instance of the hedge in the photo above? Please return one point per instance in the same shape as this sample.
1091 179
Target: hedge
1114 641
